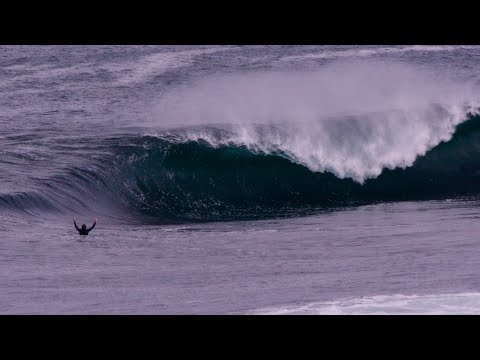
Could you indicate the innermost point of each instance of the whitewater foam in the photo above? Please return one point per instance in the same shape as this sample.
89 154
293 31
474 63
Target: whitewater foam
353 120
442 304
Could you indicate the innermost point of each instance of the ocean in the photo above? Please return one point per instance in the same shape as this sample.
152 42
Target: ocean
240 179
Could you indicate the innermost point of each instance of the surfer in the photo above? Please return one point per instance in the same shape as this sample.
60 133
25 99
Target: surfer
84 230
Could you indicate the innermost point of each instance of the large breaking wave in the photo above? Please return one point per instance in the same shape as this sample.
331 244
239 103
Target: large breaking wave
209 174
175 178
280 144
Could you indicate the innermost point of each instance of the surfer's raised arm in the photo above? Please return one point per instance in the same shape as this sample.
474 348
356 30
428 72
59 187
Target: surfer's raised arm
94 223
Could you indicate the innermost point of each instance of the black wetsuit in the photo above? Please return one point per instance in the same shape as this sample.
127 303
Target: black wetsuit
83 231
